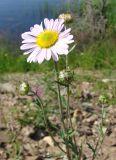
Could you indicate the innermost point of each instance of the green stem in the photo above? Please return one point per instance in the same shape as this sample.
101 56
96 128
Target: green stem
95 152
61 108
59 97
68 106
66 62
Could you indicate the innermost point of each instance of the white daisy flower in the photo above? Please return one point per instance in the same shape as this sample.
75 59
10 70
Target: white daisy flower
45 42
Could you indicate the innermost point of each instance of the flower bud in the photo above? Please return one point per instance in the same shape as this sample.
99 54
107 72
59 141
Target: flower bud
67 17
102 99
66 76
24 88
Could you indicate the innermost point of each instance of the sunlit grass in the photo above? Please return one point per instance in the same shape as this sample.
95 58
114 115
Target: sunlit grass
99 55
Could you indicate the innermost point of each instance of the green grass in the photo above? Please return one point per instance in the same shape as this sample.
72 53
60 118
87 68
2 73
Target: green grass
99 55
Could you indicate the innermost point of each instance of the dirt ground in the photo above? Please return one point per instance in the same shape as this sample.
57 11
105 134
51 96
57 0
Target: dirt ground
22 138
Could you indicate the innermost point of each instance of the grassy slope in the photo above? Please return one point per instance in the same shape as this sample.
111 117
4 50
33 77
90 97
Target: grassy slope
98 55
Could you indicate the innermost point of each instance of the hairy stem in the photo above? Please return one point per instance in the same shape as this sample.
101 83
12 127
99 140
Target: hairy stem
61 108
69 120
59 98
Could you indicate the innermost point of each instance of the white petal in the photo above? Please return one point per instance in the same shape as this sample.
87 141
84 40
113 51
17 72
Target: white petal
26 35
31 28
60 29
51 24
62 45
48 54
71 41
29 40
63 34
69 37
55 25
37 26
29 51
46 23
61 51
67 40
41 56
33 55
28 46
37 29
61 25
54 54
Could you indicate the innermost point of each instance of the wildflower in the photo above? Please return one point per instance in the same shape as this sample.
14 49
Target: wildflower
102 99
63 75
24 88
46 42
38 91
66 76
67 17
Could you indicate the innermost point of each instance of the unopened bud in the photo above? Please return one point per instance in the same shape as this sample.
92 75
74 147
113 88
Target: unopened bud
24 88
66 76
67 17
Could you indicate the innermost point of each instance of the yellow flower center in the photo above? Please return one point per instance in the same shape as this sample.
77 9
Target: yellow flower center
47 38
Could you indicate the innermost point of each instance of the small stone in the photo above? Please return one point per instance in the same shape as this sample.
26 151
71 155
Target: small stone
31 149
92 119
49 140
26 131
37 134
32 158
4 137
85 131
86 104
7 88
54 150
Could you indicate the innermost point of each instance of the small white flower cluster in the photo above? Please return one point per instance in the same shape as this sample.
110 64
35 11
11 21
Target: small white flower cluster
62 75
